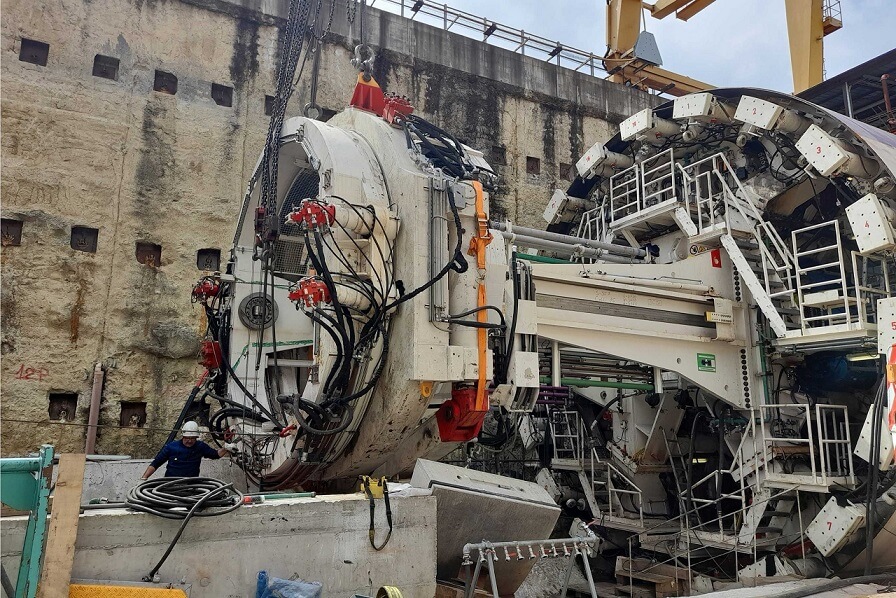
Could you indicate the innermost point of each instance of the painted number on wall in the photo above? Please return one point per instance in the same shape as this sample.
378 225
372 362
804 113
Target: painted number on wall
31 374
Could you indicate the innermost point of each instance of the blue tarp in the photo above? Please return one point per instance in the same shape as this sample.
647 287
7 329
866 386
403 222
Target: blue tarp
274 587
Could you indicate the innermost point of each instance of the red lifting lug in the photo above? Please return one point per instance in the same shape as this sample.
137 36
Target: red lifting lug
459 419
311 292
396 106
313 214
210 354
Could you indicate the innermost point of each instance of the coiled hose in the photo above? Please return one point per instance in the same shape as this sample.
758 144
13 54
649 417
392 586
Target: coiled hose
182 498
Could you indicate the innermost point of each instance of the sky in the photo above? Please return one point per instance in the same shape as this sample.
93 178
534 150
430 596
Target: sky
732 43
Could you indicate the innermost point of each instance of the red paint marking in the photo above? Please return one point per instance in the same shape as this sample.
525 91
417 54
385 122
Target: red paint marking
31 374
716 256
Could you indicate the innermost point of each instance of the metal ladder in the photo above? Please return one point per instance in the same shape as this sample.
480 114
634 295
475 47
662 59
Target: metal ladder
829 298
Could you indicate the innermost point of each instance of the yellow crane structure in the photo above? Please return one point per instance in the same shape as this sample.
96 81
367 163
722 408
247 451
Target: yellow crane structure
808 21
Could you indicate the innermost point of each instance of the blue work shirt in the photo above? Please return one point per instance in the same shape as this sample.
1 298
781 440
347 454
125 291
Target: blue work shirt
183 461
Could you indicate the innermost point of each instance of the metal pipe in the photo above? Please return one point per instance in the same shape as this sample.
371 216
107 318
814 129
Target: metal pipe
15 464
279 495
891 116
587 567
651 282
541 259
584 383
490 561
93 417
555 363
579 250
557 237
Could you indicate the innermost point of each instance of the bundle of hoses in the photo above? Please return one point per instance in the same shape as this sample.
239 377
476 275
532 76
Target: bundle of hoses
182 498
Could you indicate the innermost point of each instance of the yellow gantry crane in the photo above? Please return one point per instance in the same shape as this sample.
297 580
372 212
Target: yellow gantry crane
632 57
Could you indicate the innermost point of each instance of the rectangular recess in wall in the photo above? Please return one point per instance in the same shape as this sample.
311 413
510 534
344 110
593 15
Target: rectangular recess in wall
499 155
533 165
105 67
63 406
566 172
148 254
198 412
208 259
133 414
268 105
11 232
34 52
84 239
222 95
165 83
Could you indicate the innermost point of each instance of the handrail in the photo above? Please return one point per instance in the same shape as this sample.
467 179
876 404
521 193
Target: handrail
774 252
684 516
494 33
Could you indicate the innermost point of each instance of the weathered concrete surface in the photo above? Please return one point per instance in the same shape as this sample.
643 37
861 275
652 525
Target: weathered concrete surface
140 165
321 539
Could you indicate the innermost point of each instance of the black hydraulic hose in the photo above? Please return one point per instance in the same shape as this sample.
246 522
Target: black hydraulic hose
381 364
516 304
458 263
600 415
338 322
183 412
329 325
226 363
873 472
300 403
169 497
6 583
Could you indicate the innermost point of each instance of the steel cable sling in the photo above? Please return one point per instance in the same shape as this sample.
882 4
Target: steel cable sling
182 498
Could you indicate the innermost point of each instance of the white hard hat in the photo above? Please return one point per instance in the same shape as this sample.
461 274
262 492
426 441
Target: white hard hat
190 430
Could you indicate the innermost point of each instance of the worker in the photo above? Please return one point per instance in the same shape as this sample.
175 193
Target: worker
183 456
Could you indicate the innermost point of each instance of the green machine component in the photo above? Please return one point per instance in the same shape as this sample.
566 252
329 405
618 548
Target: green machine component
24 487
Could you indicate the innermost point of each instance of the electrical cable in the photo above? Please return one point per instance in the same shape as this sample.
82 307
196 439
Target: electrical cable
873 472
182 498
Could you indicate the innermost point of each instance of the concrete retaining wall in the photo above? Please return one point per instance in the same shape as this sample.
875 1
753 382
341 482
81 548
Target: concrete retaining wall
321 539
141 166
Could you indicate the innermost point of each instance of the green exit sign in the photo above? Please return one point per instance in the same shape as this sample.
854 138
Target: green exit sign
706 362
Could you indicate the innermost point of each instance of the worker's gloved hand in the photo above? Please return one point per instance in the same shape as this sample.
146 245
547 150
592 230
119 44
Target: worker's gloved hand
231 447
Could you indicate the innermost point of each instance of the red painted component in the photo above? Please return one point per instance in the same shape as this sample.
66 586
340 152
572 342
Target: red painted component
396 106
205 288
716 257
285 431
313 213
796 549
311 291
368 95
460 419
210 354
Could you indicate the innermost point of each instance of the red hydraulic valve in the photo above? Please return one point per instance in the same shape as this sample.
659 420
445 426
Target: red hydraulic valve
396 106
313 213
205 289
210 354
311 291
